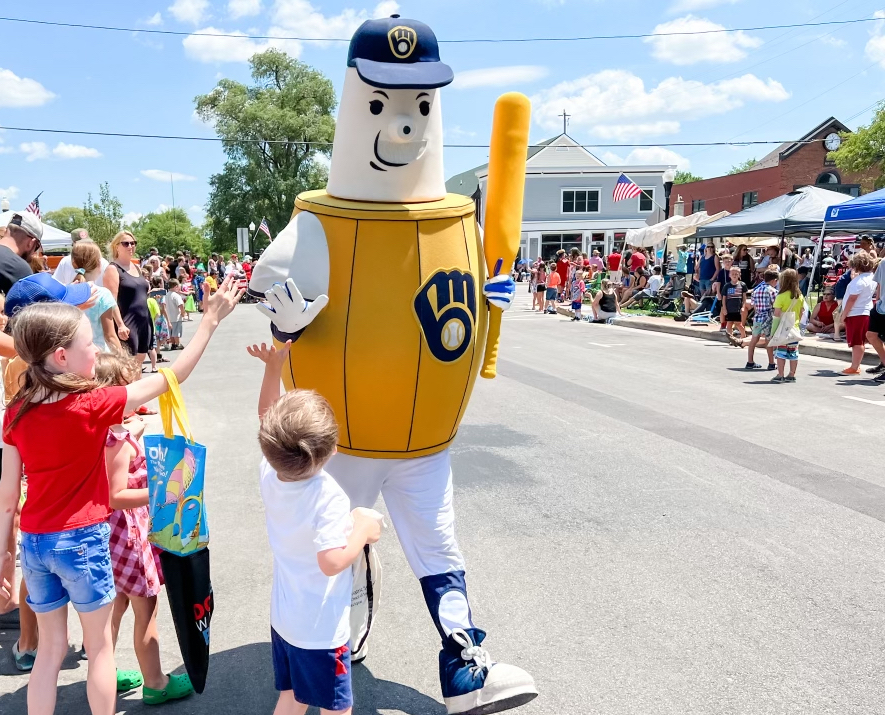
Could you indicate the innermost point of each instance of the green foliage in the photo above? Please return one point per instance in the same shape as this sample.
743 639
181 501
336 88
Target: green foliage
102 219
288 102
168 232
864 149
743 166
686 177
66 218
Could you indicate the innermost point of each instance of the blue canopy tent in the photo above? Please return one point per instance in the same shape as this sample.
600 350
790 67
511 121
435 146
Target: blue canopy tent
865 214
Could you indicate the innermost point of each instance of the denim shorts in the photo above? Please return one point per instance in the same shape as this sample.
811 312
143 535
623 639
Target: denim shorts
316 677
68 566
705 284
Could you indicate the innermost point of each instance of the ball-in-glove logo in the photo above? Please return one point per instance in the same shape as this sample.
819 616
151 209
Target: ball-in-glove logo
446 310
403 41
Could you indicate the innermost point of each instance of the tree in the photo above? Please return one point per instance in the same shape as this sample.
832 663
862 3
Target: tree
743 166
169 231
103 219
686 177
864 149
265 128
66 218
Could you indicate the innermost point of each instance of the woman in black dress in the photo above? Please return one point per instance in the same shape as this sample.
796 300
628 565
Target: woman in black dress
129 288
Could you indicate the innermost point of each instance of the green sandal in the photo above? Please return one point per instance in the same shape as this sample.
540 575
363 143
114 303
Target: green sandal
128 680
179 686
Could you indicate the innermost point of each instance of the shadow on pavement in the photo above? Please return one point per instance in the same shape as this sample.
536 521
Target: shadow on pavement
240 681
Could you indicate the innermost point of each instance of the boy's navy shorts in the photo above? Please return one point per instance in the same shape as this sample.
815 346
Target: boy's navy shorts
317 677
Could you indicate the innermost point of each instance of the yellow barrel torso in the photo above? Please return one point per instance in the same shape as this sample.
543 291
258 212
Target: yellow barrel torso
398 348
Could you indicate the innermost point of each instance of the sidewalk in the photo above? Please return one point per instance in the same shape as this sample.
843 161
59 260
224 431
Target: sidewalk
807 346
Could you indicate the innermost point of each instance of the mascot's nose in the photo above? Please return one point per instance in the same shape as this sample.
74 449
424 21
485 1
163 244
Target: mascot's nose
402 129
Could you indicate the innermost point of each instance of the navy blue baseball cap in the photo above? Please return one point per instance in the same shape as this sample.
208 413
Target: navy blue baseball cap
394 53
43 288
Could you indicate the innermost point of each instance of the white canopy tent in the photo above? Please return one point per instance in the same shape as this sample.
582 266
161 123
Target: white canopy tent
681 227
54 240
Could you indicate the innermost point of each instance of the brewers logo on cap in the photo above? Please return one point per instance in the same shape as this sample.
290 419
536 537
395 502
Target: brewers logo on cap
402 41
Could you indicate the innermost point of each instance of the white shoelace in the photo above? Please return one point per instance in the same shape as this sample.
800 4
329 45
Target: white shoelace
480 656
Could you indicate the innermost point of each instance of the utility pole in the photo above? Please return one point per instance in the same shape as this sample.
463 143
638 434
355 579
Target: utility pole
174 217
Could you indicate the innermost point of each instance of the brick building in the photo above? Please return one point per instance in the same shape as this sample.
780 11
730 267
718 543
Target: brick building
787 168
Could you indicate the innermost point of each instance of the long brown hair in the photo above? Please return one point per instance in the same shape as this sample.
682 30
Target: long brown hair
39 330
86 255
789 283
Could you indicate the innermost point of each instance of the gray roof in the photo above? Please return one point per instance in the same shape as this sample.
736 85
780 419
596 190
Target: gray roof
466 182
784 150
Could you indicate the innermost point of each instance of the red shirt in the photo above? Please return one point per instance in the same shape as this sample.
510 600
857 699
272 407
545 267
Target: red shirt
562 268
62 449
637 261
614 262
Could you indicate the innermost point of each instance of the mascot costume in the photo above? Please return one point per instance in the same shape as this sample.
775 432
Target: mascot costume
380 282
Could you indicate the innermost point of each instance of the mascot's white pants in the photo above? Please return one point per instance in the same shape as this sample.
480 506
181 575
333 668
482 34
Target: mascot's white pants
418 496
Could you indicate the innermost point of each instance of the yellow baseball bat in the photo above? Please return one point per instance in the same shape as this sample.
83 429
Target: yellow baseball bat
503 220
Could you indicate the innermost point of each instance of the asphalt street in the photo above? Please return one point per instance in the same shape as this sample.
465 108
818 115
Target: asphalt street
648 530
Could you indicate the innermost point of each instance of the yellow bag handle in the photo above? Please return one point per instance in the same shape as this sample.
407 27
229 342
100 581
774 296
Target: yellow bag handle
172 404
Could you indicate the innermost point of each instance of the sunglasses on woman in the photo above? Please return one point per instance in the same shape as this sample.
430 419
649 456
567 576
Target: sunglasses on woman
129 244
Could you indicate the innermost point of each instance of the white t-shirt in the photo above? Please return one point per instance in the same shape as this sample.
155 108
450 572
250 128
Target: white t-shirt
654 284
865 288
173 301
307 608
65 272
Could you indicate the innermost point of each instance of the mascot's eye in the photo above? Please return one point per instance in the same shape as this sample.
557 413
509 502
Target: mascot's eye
376 106
424 108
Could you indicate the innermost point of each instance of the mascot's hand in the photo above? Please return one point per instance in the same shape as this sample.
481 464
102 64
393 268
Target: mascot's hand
499 291
287 309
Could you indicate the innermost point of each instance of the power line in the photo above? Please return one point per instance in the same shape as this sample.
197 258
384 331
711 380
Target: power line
128 135
486 40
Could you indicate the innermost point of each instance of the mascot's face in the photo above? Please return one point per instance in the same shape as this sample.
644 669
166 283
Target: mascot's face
388 144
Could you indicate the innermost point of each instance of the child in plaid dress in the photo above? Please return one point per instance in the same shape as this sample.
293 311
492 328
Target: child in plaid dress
138 576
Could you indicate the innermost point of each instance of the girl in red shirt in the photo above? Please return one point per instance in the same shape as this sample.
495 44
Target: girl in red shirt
58 424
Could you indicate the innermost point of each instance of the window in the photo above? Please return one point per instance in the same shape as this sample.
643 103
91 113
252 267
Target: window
580 201
647 200
698 205
751 198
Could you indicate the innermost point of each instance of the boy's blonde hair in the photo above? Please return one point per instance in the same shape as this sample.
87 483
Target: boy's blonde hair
298 434
114 369
862 262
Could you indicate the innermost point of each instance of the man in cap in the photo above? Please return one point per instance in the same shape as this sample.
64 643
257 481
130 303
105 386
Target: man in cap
65 271
21 241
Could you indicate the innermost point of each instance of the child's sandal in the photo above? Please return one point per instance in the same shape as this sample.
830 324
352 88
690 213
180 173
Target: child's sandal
128 680
179 686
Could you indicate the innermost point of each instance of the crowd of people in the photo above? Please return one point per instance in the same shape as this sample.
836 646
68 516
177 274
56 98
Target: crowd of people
748 296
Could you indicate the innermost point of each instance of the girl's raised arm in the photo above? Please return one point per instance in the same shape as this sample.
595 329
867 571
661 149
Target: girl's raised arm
215 309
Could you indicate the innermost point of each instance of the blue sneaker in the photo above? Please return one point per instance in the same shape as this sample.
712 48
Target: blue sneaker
473 684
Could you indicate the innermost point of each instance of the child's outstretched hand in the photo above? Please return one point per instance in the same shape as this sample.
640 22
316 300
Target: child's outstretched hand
222 303
270 355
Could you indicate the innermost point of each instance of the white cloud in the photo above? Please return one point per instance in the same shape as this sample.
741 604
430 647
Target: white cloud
131 217
243 8
499 76
196 213
692 5
34 150
875 49
165 176
7 149
454 132
648 155
10 192
203 48
18 91
616 103
832 41
75 151
193 11
154 20
691 49
303 17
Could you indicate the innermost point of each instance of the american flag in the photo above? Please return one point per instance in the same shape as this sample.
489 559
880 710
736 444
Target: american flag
264 228
34 206
625 189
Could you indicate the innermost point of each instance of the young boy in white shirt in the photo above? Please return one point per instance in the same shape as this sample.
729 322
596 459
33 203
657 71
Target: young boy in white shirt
314 538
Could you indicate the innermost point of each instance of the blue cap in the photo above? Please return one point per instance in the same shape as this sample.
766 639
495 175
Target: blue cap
398 54
43 288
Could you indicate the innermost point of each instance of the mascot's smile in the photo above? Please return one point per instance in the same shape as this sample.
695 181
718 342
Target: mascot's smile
397 153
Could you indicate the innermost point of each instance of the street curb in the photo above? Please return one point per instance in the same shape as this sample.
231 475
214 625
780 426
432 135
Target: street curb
673 328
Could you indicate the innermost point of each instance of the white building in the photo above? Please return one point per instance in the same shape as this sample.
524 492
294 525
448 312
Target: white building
568 199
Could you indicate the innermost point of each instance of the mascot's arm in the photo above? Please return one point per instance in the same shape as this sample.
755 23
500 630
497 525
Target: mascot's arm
293 276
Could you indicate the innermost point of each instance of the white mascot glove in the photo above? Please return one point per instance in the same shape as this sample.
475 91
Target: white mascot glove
500 291
287 309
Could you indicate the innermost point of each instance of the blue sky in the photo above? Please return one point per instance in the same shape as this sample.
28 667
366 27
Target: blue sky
753 85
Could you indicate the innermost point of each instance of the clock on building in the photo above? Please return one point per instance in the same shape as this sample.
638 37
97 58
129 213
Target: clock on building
832 141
